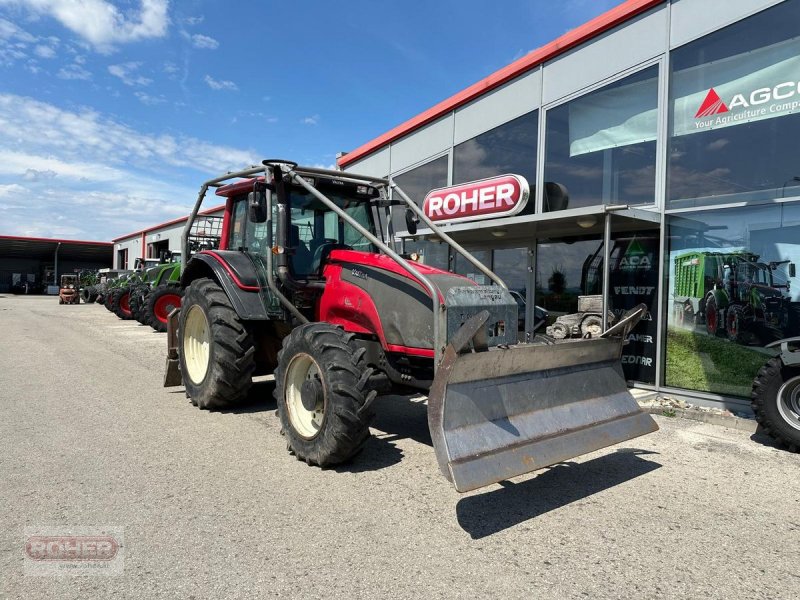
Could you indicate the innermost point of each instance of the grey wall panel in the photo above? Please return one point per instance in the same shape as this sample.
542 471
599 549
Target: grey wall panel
499 106
691 19
423 143
376 164
636 41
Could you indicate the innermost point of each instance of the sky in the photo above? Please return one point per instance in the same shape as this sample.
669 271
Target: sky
113 113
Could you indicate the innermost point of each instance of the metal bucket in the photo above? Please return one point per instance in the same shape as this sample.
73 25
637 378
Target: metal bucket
511 410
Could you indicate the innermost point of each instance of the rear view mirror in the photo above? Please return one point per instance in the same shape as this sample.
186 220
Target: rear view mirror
792 272
411 221
257 206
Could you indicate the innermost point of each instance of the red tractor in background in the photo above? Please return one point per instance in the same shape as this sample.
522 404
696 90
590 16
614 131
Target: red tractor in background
307 284
68 291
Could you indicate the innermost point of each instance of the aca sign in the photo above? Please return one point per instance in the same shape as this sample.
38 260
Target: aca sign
501 196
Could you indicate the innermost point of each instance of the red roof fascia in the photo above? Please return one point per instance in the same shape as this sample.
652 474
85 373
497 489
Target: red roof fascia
608 20
168 223
55 240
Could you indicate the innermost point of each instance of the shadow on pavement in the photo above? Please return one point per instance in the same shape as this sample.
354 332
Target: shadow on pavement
397 418
259 399
486 514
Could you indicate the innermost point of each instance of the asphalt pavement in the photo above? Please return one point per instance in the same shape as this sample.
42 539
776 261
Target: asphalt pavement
213 506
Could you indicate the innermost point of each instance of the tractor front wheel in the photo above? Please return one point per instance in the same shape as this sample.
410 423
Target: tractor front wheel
121 303
160 303
735 323
712 316
776 402
322 389
217 355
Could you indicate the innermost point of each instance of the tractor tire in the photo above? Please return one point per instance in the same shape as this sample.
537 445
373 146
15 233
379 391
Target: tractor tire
121 303
160 303
107 299
775 400
324 400
138 295
712 317
735 325
216 351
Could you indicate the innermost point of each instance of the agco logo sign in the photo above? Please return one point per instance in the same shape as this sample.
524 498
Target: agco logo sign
757 103
501 196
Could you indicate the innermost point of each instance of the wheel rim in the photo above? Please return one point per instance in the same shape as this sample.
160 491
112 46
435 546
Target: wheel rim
789 402
306 421
164 306
733 324
196 344
125 304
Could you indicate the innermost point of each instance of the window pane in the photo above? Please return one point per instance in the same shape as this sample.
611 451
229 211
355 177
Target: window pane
601 149
417 183
735 113
467 269
509 148
733 288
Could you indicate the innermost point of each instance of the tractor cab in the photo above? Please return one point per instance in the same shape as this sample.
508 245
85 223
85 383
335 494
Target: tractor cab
302 231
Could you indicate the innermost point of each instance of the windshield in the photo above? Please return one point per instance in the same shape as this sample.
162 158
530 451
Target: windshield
315 230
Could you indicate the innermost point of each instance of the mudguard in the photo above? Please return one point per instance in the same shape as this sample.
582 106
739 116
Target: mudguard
238 277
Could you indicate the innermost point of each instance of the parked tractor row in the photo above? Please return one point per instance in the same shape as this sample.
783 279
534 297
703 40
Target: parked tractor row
151 291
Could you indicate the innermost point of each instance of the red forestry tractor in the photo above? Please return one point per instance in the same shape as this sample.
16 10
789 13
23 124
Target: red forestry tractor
304 286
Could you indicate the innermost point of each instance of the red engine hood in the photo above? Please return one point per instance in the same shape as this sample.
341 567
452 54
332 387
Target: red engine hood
384 262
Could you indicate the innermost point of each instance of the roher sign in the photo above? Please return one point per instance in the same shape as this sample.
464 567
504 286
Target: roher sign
502 196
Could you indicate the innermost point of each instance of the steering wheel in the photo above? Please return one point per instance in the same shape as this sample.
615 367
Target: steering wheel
323 250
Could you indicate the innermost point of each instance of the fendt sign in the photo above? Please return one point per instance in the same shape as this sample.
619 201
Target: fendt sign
502 196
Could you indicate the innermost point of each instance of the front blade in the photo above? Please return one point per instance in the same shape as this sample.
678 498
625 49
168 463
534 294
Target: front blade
494 415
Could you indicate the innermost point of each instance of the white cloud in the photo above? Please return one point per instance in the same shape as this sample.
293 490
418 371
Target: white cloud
11 191
220 85
171 68
9 31
312 120
44 52
149 100
127 73
104 176
204 42
101 23
191 21
74 71
37 175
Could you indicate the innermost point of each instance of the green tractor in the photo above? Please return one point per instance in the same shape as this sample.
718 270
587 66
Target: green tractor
160 292
732 293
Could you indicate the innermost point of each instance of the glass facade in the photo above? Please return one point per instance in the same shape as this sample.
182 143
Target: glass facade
734 112
724 134
733 288
601 147
509 148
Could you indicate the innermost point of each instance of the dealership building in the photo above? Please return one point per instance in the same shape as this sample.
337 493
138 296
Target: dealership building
668 128
658 144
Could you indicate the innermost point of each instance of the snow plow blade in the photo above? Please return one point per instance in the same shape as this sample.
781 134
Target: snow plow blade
507 411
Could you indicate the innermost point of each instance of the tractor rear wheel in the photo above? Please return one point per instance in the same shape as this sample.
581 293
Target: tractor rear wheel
776 402
322 389
217 354
159 304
